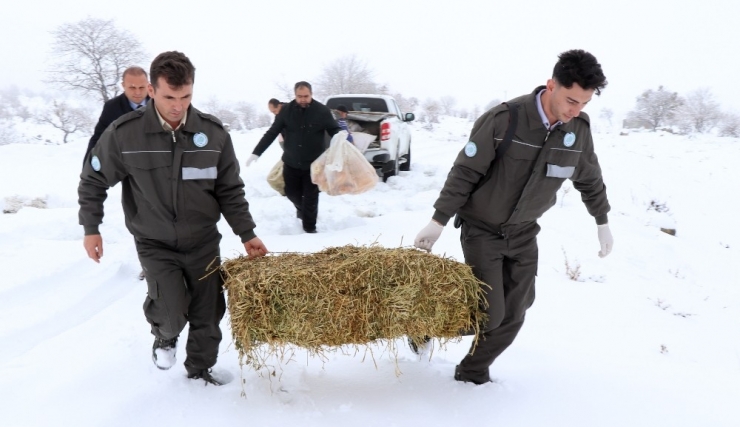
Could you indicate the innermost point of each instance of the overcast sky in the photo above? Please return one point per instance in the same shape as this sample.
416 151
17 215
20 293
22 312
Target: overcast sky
472 50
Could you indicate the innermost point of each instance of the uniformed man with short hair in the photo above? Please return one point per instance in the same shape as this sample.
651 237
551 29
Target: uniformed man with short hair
179 174
499 189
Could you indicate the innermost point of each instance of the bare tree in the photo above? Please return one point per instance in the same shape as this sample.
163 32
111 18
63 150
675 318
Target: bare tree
286 91
699 112
407 105
346 75
263 120
248 114
655 108
730 125
607 114
90 55
432 109
474 113
447 103
8 134
66 118
223 112
11 104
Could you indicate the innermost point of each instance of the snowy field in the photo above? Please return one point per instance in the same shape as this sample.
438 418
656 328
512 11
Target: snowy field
649 336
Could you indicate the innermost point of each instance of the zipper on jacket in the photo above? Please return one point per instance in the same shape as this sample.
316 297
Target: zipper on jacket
547 136
174 178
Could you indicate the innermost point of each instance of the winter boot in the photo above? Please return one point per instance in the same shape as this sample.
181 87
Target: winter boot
163 353
421 348
477 379
205 375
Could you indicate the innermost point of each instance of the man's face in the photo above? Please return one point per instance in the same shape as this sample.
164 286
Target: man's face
274 110
303 96
566 103
135 87
172 103
342 114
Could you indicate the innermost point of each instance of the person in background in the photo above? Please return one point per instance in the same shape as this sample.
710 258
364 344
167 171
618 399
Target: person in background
342 121
303 122
179 174
134 96
275 106
552 142
134 83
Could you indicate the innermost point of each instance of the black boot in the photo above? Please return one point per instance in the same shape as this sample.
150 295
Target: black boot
475 379
163 353
205 375
420 348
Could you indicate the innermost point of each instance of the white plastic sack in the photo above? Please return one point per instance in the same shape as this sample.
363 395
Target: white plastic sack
342 169
362 140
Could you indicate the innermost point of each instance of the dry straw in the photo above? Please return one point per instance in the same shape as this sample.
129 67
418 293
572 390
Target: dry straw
350 295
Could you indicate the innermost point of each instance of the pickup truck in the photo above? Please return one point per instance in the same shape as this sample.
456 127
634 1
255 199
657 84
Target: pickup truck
379 115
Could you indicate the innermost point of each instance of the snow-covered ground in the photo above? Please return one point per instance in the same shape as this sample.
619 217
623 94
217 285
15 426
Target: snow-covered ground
649 336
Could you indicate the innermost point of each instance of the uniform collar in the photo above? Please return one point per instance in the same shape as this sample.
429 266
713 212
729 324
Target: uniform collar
543 116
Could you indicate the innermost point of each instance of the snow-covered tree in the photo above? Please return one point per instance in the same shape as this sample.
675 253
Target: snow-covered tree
729 125
90 56
447 103
224 112
699 112
66 118
655 108
347 74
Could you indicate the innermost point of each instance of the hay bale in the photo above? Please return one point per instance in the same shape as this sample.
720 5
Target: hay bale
347 295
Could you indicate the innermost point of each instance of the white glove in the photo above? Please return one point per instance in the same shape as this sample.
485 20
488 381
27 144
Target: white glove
428 235
605 239
252 158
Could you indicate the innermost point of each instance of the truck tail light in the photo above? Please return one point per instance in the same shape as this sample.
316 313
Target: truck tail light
385 131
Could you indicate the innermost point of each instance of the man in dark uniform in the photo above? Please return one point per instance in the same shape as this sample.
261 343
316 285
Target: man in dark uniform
498 197
179 174
135 83
302 122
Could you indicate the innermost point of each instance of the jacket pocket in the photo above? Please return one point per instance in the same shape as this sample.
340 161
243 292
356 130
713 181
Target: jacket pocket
151 288
198 165
562 163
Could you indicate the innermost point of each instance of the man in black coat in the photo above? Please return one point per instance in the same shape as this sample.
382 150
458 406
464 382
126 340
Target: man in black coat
303 123
135 83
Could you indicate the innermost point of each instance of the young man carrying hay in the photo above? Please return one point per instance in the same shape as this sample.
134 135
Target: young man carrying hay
179 174
503 180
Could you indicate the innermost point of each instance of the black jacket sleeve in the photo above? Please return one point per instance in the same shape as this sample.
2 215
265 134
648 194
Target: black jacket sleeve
277 126
332 127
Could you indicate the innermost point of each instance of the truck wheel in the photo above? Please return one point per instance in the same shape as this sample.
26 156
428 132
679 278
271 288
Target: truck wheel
406 166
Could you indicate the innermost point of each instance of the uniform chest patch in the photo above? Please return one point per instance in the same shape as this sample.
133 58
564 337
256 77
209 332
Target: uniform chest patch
95 163
570 139
471 149
200 139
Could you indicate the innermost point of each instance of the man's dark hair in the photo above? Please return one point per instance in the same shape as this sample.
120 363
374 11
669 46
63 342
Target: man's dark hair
274 102
581 67
303 84
134 71
175 67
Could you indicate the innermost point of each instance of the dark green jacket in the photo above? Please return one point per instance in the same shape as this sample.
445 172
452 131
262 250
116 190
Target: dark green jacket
524 182
174 190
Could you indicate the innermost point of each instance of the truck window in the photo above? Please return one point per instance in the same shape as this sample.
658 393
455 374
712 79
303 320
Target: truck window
374 105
